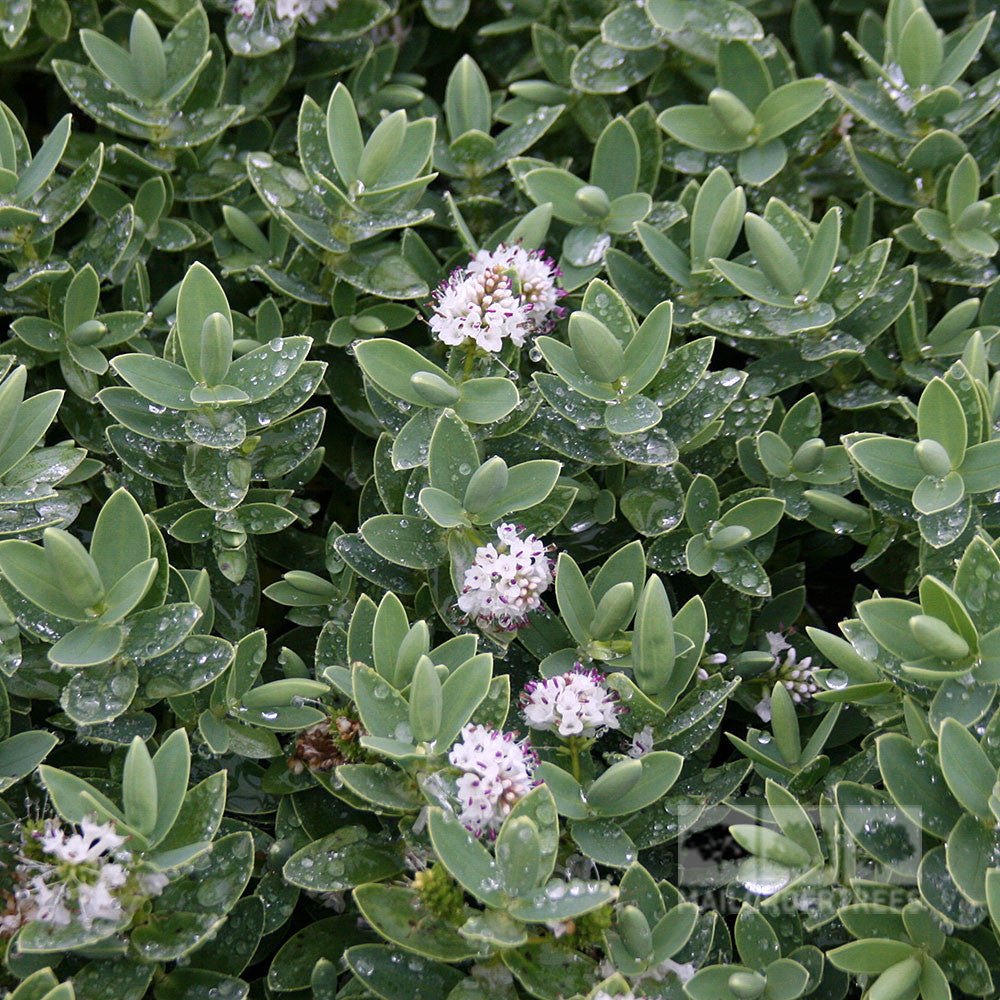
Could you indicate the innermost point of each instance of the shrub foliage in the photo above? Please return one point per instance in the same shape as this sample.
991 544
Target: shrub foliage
497 499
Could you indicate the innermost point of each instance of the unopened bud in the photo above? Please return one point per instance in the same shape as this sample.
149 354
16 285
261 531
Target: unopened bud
368 325
747 985
309 583
415 644
932 457
216 348
89 333
838 507
613 610
937 638
593 200
732 113
729 537
809 456
434 389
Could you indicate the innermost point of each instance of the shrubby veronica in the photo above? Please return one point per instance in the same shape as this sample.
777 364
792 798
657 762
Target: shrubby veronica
499 499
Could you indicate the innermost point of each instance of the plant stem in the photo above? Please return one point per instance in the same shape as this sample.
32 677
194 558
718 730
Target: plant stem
574 750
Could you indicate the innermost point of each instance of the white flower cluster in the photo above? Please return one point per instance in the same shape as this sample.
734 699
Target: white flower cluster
288 10
572 704
796 675
498 771
83 877
682 970
506 294
506 580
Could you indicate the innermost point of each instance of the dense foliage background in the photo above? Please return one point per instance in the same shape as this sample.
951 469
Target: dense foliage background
498 499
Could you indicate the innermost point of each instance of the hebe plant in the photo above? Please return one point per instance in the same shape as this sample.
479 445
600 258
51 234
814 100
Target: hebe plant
499 500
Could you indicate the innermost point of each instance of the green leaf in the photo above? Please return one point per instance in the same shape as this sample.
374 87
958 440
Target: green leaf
653 652
486 400
528 484
659 771
917 785
547 185
464 857
467 103
390 910
889 460
462 693
200 296
576 606
344 134
888 620
22 753
615 164
87 645
26 567
342 860
33 419
787 106
75 799
120 541
378 968
792 819
139 792
941 418
45 161
452 457
160 381
967 770
933 495
406 541
765 843
171 764
390 365
920 49
560 900
698 126
822 254
755 940
442 508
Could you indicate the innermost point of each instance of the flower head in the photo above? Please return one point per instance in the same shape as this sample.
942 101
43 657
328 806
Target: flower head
506 580
795 674
83 876
498 771
93 840
576 703
535 277
505 294
285 10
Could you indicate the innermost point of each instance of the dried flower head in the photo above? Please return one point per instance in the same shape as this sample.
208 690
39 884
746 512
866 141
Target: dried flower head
326 745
